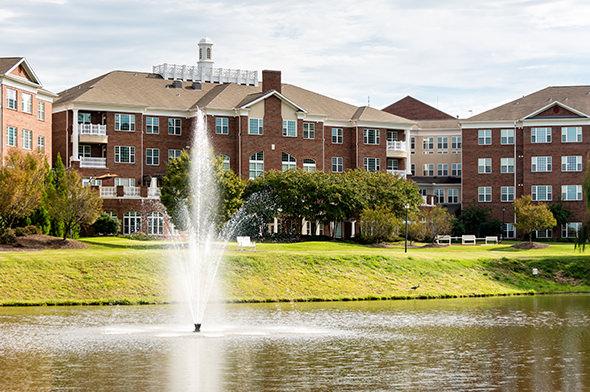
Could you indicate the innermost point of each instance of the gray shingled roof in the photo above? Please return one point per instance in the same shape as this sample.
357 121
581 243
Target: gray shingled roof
6 63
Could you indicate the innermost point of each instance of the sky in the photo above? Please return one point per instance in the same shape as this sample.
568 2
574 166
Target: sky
463 57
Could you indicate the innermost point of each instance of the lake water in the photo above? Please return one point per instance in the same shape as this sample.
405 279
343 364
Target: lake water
539 343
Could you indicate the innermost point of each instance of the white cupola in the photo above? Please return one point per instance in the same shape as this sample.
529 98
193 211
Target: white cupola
205 53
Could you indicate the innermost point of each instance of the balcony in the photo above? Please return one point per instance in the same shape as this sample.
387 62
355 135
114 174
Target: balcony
93 133
399 173
396 149
108 192
154 192
93 163
132 191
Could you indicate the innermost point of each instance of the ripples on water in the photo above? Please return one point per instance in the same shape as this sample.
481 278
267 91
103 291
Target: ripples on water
487 344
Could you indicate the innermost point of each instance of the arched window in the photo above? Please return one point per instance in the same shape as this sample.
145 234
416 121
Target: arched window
256 164
155 223
309 165
208 53
131 222
226 162
288 162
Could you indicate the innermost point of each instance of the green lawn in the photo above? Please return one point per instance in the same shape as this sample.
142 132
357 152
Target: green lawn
118 270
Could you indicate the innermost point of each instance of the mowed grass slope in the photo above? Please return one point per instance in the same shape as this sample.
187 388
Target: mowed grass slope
117 270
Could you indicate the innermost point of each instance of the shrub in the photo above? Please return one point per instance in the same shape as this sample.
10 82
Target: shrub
378 225
106 225
20 232
32 230
7 236
139 236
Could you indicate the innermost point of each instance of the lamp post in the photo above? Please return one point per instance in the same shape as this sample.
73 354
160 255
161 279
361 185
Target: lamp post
407 207
503 223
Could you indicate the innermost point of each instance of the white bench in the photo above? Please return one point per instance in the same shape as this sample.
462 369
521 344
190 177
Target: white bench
468 240
245 242
491 239
445 239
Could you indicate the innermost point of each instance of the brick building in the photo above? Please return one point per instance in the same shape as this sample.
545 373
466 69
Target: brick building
120 129
435 146
536 145
25 109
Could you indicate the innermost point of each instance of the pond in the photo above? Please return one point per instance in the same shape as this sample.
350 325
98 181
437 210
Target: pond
511 343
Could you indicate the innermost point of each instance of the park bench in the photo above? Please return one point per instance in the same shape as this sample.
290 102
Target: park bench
468 240
443 239
245 242
492 239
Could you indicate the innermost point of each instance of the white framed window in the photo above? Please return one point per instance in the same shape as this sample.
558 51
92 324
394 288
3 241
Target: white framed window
507 136
428 169
226 162
11 99
453 196
155 223
152 156
309 165
255 126
26 103
506 165
124 181
372 164
124 154
456 142
484 137
152 125
413 169
571 163
41 143
308 130
456 169
12 136
392 135
484 194
131 222
392 164
91 182
428 145
571 134
84 118
413 143
41 111
542 192
507 194
371 136
288 162
337 135
27 136
541 164
546 233
541 135
508 230
289 128
124 122
484 165
442 169
571 229
256 165
337 164
439 195
173 153
571 192
442 143
174 126
222 125
84 150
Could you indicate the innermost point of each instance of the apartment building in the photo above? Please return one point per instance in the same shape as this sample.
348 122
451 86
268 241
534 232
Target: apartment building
25 109
120 129
435 146
536 145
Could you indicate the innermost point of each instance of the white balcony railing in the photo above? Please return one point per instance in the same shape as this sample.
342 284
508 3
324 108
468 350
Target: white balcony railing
92 129
154 192
132 191
399 173
108 192
93 163
395 145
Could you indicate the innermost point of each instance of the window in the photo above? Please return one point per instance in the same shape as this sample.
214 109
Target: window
131 222
546 233
84 118
413 169
507 194
442 169
173 153
91 182
337 164
26 103
152 125
122 181
124 154
442 143
256 167
484 165
27 139
541 164
174 126
152 156
484 137
508 230
41 111
289 128
392 164
453 196
125 122
456 142
337 135
506 165
309 165
439 195
288 162
571 229
12 136
456 169
571 192
542 192
84 150
226 162
571 163
392 136
309 130
428 169
41 143
222 125
11 99
371 136
255 126
155 223
372 164
541 135
507 136
484 194
571 134
428 145
413 143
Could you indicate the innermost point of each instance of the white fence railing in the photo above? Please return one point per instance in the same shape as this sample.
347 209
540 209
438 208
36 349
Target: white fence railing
153 192
399 173
93 163
396 145
92 129
206 74
132 191
108 191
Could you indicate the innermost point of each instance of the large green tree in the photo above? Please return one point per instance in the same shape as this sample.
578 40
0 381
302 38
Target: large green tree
531 216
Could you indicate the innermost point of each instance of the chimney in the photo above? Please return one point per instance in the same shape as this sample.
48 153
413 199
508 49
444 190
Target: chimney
271 80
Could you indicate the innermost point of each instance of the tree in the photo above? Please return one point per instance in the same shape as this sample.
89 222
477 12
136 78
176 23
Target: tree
106 225
417 230
378 224
21 185
71 204
437 221
562 215
478 221
531 217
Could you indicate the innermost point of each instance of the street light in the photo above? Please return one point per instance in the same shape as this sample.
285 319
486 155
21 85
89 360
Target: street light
407 207
503 223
